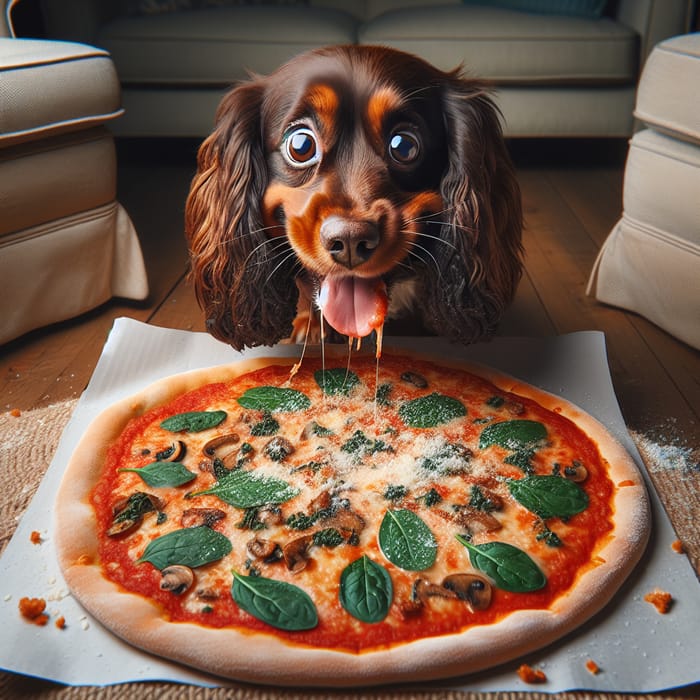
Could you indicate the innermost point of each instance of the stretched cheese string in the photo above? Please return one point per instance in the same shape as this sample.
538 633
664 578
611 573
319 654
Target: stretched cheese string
297 366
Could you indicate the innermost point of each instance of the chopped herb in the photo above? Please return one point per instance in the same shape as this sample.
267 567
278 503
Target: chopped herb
319 430
162 517
431 498
382 395
267 426
495 401
362 446
481 502
549 537
450 458
329 537
395 492
137 505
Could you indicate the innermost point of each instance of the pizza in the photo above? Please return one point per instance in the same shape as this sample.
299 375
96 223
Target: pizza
346 521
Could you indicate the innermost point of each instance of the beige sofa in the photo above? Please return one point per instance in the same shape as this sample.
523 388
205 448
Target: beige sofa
66 245
556 74
650 262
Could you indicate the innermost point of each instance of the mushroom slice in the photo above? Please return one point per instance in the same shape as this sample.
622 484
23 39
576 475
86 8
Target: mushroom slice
418 380
174 453
346 521
296 553
260 548
176 578
477 521
576 472
473 589
278 448
194 517
422 590
221 447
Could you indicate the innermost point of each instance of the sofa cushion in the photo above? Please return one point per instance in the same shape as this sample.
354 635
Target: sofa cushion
662 181
48 87
649 263
45 180
218 46
509 46
670 78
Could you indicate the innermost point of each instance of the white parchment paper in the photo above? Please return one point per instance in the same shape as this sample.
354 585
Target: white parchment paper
638 649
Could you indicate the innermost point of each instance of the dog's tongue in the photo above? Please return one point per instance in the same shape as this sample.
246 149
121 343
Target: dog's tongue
354 306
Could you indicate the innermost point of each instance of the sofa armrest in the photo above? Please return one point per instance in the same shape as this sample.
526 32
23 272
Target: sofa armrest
654 21
78 20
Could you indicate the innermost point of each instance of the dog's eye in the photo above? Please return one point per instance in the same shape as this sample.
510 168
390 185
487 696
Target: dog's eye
300 148
404 147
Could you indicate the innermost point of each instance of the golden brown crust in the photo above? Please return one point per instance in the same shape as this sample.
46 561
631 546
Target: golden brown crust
254 657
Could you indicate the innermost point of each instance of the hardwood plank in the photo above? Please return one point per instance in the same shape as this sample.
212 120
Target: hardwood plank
527 315
594 196
180 309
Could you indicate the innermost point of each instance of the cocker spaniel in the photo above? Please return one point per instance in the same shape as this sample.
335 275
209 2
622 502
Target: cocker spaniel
352 179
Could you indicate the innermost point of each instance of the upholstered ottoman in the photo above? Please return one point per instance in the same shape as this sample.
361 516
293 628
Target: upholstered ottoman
650 262
66 245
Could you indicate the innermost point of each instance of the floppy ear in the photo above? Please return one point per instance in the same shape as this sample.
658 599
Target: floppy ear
247 299
478 266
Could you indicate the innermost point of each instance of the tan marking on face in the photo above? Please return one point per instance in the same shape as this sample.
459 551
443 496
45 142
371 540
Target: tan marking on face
380 103
324 101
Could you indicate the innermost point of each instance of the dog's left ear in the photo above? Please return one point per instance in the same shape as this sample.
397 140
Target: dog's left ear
247 300
478 266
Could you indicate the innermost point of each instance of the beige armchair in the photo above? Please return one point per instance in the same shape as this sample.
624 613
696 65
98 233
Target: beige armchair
66 245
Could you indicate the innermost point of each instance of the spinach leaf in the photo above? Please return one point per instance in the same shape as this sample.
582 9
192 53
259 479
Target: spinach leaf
549 496
244 489
160 474
193 421
336 381
513 434
273 398
277 603
366 591
191 546
405 540
511 568
431 410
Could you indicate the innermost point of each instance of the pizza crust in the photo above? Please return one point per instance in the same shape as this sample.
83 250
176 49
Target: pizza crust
248 656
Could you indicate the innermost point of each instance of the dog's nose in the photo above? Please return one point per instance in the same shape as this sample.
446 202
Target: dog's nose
350 242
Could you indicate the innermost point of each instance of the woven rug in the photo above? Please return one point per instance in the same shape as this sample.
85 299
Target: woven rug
27 445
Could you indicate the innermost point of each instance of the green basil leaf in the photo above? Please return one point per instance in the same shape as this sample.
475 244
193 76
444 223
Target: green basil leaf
273 398
431 410
244 489
549 496
277 603
510 568
366 591
159 474
405 540
193 421
336 380
513 434
191 546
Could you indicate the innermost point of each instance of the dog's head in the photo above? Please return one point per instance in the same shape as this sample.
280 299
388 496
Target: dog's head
357 173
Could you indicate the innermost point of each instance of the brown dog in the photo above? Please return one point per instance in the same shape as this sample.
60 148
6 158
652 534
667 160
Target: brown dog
353 178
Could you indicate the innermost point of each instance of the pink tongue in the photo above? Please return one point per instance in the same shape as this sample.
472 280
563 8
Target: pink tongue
354 306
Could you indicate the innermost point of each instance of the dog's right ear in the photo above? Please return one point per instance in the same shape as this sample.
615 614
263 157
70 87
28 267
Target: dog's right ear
245 304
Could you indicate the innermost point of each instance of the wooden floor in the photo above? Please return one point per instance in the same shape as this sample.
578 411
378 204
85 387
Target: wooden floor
572 197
